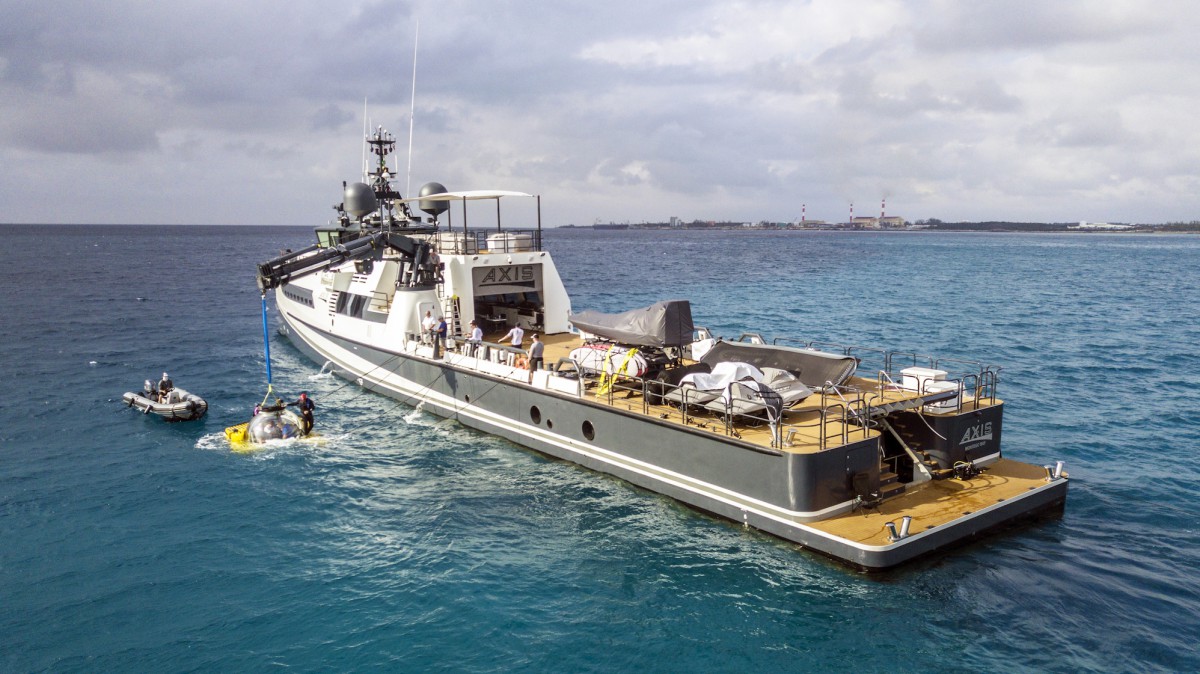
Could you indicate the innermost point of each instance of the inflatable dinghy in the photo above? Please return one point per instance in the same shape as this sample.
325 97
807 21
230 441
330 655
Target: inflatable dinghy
179 405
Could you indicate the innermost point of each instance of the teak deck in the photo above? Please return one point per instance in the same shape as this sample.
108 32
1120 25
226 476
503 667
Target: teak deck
931 504
805 418
937 503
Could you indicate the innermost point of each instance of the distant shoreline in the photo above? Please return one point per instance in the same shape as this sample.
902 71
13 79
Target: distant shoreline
988 227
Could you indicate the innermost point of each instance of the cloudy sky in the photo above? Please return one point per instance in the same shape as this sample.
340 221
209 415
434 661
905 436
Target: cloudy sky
190 111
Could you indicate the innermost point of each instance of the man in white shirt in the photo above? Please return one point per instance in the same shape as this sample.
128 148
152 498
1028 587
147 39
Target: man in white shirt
517 335
473 342
427 325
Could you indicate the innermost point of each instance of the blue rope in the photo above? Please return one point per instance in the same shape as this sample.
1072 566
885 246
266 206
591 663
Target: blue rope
266 340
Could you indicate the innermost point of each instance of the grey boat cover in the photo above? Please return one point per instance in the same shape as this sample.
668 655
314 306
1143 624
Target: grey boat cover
814 368
667 323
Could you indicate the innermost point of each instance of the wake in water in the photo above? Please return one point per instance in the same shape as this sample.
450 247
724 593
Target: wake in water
217 442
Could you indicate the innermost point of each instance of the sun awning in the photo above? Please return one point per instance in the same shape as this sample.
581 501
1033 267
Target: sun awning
467 195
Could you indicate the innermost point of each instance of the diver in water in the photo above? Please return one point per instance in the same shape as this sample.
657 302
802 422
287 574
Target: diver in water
306 407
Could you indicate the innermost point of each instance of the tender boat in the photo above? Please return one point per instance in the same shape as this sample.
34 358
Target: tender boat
866 455
179 405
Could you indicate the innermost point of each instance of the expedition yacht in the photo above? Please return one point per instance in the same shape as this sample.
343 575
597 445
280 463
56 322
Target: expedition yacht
867 456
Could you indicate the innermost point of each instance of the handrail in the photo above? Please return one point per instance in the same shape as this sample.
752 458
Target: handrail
378 296
476 241
890 365
884 360
845 410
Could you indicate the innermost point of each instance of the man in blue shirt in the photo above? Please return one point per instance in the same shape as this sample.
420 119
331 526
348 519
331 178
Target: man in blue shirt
439 337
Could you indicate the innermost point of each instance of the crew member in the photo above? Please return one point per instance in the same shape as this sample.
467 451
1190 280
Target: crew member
165 386
427 325
306 407
439 336
535 354
517 334
475 340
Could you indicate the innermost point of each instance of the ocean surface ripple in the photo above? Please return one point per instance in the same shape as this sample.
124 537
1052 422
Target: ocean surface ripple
400 541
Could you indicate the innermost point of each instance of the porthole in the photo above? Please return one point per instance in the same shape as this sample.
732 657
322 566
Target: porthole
549 424
589 431
467 398
535 414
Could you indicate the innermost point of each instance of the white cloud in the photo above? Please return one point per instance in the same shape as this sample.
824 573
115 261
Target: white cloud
194 112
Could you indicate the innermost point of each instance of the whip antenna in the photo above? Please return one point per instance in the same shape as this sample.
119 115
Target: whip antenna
365 133
413 110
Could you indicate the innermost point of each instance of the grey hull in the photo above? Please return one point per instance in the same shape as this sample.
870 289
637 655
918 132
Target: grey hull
773 491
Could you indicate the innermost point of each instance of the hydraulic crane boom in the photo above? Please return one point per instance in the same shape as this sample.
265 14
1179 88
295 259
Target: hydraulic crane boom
417 254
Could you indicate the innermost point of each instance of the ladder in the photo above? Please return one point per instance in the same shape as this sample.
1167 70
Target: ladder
450 311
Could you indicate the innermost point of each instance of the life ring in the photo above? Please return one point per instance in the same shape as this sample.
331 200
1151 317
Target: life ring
522 362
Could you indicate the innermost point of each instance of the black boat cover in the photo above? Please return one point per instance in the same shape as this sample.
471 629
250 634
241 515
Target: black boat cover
667 323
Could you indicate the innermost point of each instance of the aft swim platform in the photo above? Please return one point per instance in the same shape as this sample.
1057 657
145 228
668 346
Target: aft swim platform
938 502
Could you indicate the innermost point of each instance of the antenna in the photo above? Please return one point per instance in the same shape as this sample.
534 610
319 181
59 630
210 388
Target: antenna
365 132
413 111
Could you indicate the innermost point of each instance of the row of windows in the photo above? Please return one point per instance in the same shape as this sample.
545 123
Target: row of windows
297 297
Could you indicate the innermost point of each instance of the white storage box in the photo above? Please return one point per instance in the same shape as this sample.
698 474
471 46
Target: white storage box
509 242
916 378
947 405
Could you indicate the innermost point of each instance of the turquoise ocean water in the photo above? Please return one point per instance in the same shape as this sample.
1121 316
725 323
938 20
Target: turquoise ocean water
401 543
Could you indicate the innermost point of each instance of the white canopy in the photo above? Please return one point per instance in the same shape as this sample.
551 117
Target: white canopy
468 195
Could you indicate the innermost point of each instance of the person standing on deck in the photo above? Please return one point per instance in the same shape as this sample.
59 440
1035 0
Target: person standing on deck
535 354
475 339
427 325
439 336
517 334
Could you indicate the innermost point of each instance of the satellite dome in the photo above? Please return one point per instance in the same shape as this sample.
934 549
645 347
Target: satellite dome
359 200
432 207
